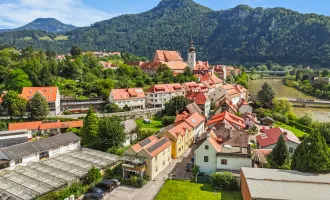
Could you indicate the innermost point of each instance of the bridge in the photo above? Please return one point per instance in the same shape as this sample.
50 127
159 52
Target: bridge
305 102
280 73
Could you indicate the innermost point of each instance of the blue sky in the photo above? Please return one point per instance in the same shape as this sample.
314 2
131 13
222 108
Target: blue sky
16 13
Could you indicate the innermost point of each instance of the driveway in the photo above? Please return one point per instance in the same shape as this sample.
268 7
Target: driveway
149 191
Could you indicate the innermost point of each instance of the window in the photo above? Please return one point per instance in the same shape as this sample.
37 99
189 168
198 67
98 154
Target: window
156 169
179 141
291 150
156 158
206 159
163 152
206 147
163 162
223 161
17 161
168 159
168 149
179 149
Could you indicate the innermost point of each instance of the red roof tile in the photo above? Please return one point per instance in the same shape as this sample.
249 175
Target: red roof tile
270 137
72 124
119 94
50 93
211 77
137 147
195 119
199 97
180 129
24 125
233 119
200 65
242 102
167 56
165 88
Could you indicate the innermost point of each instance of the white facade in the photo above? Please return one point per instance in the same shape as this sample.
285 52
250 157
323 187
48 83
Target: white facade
58 103
206 157
249 123
133 103
233 163
207 107
291 147
192 60
160 162
129 138
198 130
159 99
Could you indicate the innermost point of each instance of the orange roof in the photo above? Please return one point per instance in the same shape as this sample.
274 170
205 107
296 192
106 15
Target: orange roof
107 65
200 65
150 142
181 117
180 129
50 93
240 88
242 102
199 97
24 125
162 88
50 125
213 141
211 77
72 124
250 116
195 119
159 148
228 87
232 119
119 94
144 143
232 92
167 56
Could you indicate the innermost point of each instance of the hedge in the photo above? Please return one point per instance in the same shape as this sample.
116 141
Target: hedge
301 127
223 181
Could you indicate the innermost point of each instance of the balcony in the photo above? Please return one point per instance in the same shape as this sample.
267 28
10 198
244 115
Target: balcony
132 167
133 163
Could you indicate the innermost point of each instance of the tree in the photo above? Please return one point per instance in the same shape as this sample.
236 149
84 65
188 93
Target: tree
175 105
307 118
38 107
89 131
112 108
93 175
312 155
266 94
325 73
168 120
111 133
75 51
17 79
282 106
280 153
15 104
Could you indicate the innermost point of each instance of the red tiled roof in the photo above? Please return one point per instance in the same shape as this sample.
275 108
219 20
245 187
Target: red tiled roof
152 141
161 148
228 87
180 129
240 88
242 102
213 141
51 125
233 119
137 147
107 65
199 97
250 116
209 84
180 117
119 94
50 93
72 124
270 137
200 65
24 125
39 125
165 88
195 119
211 77
167 56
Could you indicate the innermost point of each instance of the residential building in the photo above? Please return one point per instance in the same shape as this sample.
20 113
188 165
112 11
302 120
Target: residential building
227 120
159 94
326 80
104 54
242 91
181 135
196 121
250 120
210 87
260 157
130 127
211 77
228 90
148 157
202 100
279 184
223 150
269 138
224 71
191 109
34 151
43 127
201 67
134 98
75 105
244 106
267 121
10 138
191 87
172 59
51 94
225 105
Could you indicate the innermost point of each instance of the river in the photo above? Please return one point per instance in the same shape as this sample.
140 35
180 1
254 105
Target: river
320 114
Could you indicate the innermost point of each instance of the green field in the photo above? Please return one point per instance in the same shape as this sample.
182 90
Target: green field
295 131
45 38
61 37
27 38
155 124
185 190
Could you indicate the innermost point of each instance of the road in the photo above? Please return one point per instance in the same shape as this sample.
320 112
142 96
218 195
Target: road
149 191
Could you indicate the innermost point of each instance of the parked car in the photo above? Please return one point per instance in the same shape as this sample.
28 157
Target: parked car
107 186
96 190
116 181
189 166
192 160
93 196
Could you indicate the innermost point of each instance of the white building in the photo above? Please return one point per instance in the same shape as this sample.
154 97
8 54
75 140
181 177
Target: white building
226 90
223 151
130 127
134 98
51 94
192 56
10 138
244 106
22 154
269 138
159 94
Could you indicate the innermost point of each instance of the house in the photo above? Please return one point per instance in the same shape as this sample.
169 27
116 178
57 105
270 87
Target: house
192 108
134 98
223 150
227 120
10 138
211 77
325 80
242 91
202 67
148 157
228 90
250 120
43 127
172 59
196 121
51 94
76 105
191 87
202 100
181 135
210 87
224 71
34 151
260 157
269 138
108 65
225 105
244 106
159 94
130 127
279 184
267 121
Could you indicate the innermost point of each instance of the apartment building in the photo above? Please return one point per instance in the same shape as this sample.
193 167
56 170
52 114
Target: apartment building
134 98
159 94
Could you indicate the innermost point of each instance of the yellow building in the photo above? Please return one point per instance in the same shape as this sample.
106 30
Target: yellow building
181 136
148 157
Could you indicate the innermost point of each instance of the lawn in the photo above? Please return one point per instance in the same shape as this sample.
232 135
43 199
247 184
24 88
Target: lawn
45 38
61 37
295 131
155 124
185 190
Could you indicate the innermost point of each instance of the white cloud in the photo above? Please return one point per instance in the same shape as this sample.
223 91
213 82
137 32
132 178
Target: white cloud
16 13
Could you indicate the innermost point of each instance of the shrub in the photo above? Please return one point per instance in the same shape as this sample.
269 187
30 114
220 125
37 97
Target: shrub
76 189
134 181
223 181
301 127
168 120
112 108
281 118
67 112
93 175
116 172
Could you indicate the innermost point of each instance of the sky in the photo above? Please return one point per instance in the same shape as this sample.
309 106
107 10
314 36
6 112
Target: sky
15 13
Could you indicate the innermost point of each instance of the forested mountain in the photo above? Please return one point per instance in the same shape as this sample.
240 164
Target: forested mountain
238 35
49 25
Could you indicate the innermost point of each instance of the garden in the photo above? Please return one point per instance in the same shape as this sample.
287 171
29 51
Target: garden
154 125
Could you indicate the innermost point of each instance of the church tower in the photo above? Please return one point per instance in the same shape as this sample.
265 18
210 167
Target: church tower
192 56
